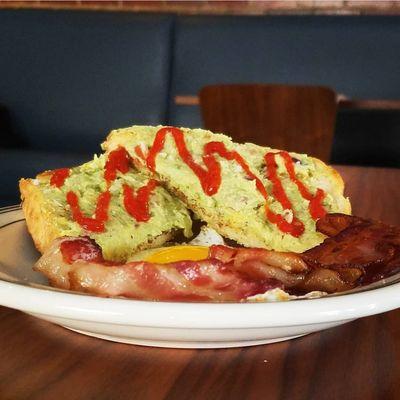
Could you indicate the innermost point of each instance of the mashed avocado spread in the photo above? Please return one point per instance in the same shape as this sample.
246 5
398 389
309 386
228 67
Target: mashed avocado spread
123 235
237 210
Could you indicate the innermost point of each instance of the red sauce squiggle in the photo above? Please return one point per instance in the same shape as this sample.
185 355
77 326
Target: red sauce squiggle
139 152
58 177
118 160
95 224
210 176
315 206
138 205
295 227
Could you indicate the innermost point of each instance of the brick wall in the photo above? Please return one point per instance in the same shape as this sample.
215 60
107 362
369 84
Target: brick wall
252 7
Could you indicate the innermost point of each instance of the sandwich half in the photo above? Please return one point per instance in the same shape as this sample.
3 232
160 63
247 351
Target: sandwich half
106 199
256 196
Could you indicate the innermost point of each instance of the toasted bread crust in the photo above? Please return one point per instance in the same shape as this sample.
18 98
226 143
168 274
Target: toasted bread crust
38 215
334 175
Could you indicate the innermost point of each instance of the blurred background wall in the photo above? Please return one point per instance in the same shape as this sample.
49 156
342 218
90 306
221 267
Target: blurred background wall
71 71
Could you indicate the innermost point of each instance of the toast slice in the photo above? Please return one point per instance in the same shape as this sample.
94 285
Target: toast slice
238 209
49 215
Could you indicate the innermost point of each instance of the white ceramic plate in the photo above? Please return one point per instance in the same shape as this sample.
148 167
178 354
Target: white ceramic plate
164 324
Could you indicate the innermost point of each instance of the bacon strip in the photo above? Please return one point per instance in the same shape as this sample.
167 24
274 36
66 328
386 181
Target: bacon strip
208 280
358 252
334 223
371 247
290 262
288 268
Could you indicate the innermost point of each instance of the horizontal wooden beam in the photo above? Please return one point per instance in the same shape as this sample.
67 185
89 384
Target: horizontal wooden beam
187 100
238 7
343 103
370 104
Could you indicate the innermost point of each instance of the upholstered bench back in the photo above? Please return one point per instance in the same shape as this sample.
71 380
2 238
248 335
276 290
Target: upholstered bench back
68 77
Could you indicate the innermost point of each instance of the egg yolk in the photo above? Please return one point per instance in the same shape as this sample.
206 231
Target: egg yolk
178 253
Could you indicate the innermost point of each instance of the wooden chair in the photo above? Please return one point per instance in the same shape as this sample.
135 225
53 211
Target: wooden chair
295 118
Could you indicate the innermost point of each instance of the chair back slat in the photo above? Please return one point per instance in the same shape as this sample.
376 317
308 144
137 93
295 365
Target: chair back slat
293 118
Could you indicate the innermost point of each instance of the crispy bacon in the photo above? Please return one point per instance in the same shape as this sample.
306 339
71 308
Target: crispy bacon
371 247
208 280
290 262
326 280
357 252
289 268
334 223
81 248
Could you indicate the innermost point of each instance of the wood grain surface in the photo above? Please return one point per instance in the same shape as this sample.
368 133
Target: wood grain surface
287 117
359 360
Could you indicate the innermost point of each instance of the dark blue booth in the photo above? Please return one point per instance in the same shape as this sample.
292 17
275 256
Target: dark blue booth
68 77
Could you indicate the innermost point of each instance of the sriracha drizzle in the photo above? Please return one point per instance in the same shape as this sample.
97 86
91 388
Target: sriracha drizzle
58 177
118 160
315 206
136 205
295 227
210 176
95 224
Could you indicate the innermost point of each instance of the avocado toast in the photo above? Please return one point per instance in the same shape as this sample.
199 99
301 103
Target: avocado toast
68 203
256 196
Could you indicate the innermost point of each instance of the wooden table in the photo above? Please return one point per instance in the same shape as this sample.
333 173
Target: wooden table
359 360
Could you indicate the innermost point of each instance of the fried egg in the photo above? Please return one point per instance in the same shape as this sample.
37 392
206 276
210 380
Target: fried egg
197 249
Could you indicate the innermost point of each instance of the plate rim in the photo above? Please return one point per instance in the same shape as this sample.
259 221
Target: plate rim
74 305
195 315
